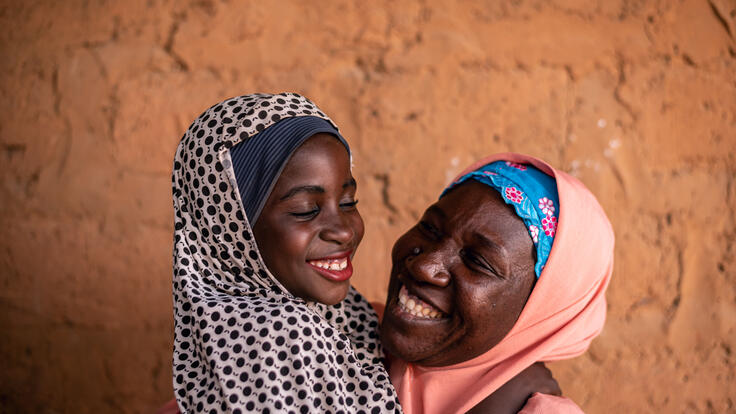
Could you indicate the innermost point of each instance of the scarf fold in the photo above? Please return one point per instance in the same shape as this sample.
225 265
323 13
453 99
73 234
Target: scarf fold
565 311
241 341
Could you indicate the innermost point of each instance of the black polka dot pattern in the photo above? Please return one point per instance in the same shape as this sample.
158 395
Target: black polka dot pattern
242 342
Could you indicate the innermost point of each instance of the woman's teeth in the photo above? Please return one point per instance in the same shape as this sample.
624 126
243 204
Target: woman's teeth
416 306
331 264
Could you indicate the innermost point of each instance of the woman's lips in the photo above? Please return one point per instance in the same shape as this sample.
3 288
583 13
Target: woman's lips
336 269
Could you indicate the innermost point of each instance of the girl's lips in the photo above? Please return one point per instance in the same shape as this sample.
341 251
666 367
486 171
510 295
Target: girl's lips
337 268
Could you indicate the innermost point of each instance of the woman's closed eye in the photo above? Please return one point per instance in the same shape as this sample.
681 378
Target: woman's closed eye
478 262
349 205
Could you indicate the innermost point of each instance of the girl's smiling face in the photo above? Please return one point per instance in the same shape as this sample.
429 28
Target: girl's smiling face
310 226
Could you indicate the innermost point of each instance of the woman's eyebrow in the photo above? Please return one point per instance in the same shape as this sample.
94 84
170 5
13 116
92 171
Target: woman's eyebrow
433 209
350 183
485 241
314 189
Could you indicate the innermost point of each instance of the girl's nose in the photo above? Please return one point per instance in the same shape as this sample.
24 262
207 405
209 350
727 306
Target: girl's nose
429 267
337 228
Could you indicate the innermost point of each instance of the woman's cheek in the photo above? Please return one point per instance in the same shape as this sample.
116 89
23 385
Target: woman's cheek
402 246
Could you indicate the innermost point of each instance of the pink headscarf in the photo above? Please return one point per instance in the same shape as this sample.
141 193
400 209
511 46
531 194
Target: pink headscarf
566 309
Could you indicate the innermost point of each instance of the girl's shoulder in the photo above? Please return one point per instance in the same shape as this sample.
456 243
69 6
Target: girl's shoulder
282 353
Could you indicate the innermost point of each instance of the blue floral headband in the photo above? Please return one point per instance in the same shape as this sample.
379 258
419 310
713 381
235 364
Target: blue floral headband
532 193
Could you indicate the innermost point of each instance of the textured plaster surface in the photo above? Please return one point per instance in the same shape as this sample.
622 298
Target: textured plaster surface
636 98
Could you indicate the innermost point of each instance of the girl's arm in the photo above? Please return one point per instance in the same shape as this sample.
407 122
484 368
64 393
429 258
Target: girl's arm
513 395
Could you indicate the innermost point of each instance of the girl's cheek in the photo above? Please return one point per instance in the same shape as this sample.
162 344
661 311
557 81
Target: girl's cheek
359 227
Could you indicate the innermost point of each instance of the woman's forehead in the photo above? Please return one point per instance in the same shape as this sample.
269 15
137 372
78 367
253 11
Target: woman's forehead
475 201
477 213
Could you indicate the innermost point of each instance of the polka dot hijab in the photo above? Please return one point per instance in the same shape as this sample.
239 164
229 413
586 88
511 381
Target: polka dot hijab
242 342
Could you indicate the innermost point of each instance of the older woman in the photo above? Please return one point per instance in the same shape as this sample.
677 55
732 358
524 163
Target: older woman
508 268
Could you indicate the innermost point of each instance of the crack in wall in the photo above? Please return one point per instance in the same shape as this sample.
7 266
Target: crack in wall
674 306
621 69
169 44
721 18
385 181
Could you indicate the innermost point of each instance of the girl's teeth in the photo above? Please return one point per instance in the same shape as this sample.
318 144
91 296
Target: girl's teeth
338 264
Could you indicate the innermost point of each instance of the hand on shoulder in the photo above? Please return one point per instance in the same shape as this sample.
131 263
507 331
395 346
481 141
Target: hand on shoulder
513 395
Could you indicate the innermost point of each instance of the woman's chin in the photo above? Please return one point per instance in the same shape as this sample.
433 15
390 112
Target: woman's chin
403 345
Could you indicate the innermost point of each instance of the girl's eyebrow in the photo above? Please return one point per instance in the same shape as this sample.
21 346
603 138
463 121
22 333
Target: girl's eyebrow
315 189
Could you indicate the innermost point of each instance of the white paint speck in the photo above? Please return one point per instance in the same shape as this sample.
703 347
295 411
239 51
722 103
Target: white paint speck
451 172
614 143
574 168
602 123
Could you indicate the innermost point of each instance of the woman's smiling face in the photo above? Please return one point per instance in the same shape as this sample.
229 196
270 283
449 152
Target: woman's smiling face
460 279
310 227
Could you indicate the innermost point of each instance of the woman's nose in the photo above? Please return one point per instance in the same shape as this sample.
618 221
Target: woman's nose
429 267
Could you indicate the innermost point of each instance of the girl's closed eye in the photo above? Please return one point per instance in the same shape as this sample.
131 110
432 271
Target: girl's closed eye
306 212
312 211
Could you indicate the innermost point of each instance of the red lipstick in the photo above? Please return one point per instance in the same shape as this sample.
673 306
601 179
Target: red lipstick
337 268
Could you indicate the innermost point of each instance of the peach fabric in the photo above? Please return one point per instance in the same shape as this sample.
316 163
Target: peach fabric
566 310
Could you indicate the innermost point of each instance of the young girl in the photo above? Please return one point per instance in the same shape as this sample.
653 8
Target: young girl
265 228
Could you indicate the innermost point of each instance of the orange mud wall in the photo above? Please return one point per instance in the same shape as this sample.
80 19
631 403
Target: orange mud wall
636 98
